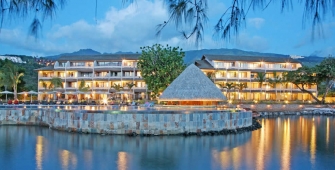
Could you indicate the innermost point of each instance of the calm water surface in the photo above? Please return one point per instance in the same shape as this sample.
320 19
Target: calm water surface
297 142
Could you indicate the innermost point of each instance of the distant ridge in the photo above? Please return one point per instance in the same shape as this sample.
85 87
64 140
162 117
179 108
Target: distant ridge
80 52
192 55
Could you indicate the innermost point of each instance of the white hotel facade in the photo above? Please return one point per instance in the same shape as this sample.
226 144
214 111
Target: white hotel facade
101 72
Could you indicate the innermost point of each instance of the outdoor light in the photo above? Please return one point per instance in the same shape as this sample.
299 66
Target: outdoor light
104 101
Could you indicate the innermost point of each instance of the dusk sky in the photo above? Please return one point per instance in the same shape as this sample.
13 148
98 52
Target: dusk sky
128 27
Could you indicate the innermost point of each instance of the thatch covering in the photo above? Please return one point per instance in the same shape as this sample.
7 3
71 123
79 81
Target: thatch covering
192 85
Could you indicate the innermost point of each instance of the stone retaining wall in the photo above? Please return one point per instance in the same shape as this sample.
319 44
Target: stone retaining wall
127 123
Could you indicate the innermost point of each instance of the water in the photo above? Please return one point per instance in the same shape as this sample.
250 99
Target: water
295 142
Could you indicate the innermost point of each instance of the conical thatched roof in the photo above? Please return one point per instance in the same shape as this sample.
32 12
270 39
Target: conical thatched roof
192 85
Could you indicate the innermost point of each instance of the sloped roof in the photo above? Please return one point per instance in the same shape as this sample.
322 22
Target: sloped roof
192 85
203 64
250 58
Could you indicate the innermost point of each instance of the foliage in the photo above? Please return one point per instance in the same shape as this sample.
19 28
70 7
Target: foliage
241 86
55 82
320 75
117 87
11 74
160 65
184 14
261 78
82 86
274 81
228 87
211 76
44 84
194 14
130 85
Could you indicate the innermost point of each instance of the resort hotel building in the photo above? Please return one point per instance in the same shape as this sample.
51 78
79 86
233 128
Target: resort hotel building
240 77
102 72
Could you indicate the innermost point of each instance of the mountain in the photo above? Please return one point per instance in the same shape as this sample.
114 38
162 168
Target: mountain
192 55
310 61
80 52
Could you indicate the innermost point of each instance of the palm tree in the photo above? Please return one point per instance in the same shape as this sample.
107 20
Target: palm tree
274 81
261 78
229 87
44 85
117 87
240 87
82 86
55 82
12 76
130 86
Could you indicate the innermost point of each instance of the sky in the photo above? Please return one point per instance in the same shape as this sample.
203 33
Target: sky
127 27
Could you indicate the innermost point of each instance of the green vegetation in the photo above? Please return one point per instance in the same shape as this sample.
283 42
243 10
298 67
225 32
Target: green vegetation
160 65
19 77
82 86
322 75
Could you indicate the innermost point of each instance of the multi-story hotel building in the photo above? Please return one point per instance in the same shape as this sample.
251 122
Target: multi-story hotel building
101 72
244 69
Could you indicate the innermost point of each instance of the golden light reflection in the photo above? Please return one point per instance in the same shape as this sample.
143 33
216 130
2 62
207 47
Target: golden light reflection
39 152
260 153
285 156
223 158
66 157
313 144
327 132
236 158
122 161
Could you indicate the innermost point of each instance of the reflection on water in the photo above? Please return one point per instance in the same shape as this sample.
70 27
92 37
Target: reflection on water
39 152
293 142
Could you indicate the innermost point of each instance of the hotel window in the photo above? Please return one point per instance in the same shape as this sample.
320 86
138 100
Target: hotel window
243 75
243 65
77 64
104 63
219 64
128 74
62 64
87 74
128 64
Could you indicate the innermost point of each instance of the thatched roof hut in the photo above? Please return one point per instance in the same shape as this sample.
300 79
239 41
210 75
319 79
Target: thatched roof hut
192 87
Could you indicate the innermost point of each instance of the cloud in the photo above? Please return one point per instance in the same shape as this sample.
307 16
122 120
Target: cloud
253 43
256 22
123 29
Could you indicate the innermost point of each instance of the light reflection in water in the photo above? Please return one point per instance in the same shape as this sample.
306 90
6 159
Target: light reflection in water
39 152
66 157
286 156
313 143
261 148
275 146
122 161
327 132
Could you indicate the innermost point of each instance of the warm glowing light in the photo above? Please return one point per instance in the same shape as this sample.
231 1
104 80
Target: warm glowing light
285 159
313 143
122 161
39 152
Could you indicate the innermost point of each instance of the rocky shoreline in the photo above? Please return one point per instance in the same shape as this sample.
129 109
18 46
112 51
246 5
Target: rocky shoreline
306 111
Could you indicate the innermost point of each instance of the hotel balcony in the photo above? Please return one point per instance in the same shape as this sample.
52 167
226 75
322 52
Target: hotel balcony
255 68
